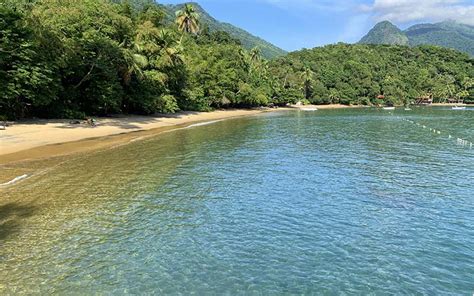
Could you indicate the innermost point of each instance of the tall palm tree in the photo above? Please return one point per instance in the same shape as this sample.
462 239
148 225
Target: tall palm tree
171 49
308 78
255 55
134 63
160 45
187 19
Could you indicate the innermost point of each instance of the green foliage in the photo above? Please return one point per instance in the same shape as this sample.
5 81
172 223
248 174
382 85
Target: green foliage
26 73
357 74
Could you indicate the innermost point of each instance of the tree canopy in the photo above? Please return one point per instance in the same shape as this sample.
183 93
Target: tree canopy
358 74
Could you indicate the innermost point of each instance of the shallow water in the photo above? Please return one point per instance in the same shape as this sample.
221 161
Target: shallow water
325 202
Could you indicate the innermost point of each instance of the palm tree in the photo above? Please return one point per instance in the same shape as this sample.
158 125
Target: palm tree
171 49
255 62
307 76
255 55
134 63
161 46
245 59
333 95
187 19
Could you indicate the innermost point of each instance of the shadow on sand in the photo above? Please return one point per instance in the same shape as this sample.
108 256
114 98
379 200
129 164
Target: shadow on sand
120 121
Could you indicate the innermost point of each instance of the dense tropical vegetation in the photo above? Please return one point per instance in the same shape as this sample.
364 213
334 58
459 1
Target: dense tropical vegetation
358 74
68 58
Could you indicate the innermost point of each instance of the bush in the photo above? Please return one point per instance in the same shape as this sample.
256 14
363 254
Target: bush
305 102
167 104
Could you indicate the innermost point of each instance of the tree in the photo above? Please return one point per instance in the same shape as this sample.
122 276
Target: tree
255 55
308 77
134 63
28 78
187 19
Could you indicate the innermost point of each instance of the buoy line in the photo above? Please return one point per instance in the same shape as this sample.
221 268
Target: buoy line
459 141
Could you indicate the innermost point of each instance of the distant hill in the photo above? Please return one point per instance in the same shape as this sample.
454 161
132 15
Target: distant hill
248 40
385 33
448 34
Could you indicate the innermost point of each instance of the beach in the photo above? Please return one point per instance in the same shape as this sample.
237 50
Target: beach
43 138
33 139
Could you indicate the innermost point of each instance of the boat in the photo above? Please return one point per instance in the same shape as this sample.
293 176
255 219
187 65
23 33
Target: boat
407 109
309 109
388 108
459 108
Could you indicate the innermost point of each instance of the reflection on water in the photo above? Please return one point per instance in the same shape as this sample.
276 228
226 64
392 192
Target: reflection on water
297 202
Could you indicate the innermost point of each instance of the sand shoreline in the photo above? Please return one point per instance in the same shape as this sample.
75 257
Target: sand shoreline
35 139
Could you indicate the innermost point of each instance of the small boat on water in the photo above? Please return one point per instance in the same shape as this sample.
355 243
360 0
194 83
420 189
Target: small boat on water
459 108
407 109
309 109
388 108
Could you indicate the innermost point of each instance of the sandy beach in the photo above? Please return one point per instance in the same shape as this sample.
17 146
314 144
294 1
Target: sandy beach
40 138
448 104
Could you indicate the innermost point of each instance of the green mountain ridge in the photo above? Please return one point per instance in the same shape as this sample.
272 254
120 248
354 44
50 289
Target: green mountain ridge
449 34
248 40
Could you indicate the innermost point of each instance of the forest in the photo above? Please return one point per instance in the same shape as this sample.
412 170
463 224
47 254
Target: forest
72 59
358 74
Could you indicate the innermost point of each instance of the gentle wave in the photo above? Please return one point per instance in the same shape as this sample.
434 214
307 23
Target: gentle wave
16 179
203 123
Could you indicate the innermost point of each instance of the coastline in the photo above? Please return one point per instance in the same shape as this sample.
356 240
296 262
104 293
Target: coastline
42 138
448 104
37 139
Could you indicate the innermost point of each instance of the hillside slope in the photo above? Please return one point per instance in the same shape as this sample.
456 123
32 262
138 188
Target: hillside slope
447 34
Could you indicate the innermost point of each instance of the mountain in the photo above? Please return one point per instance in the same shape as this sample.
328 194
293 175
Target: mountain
248 40
385 33
448 34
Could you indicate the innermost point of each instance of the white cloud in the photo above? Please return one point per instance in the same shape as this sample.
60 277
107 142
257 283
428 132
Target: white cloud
405 11
399 11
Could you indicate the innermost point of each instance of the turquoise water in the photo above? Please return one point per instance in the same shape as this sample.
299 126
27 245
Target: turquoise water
325 202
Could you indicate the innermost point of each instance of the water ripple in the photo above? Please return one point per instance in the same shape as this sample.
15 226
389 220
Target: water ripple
327 202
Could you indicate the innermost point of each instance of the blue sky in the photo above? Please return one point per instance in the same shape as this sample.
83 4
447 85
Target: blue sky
296 24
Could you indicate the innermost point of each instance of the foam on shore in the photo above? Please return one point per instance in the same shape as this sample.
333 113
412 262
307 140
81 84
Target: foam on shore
16 179
203 123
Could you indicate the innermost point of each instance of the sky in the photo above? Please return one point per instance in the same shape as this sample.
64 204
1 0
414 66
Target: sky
296 24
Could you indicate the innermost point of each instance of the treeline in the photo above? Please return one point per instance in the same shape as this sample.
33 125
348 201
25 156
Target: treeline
358 74
69 59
